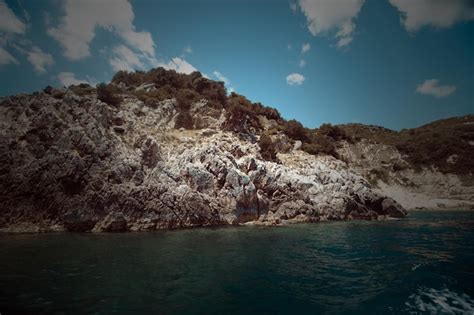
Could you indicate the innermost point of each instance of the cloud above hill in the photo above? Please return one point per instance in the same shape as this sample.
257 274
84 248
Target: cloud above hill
295 79
69 78
433 88
77 27
335 16
9 22
419 13
39 59
6 57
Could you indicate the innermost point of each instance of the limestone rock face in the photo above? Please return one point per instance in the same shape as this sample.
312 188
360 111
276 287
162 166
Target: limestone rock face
393 176
80 164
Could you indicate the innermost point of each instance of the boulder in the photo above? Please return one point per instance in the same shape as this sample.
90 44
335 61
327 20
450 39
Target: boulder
392 208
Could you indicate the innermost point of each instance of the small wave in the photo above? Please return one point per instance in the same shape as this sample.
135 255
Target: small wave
416 267
432 301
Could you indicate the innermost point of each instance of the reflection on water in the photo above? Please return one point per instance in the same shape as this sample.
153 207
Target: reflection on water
341 267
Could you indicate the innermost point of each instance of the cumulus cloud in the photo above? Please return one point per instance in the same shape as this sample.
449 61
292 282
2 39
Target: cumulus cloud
302 63
438 13
12 34
338 16
77 27
10 25
179 65
9 22
188 50
6 57
125 59
432 87
69 78
295 79
305 48
39 59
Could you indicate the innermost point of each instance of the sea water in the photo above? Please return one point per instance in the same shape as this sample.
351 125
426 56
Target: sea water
420 265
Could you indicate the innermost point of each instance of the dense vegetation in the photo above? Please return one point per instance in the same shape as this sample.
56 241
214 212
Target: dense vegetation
242 116
432 144
109 94
447 144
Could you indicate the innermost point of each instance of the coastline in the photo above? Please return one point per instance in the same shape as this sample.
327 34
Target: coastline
31 228
413 200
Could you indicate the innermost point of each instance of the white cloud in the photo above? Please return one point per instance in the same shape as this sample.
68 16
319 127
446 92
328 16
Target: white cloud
289 46
9 22
344 41
6 57
125 59
302 63
325 16
419 13
69 78
179 65
39 59
305 48
141 41
295 79
220 77
77 27
432 87
12 31
188 50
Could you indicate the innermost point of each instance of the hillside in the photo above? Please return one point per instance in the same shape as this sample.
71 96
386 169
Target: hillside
446 144
429 167
162 150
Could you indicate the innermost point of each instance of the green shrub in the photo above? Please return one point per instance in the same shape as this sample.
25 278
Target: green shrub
333 132
215 92
236 118
48 89
320 145
108 94
239 115
58 94
185 98
295 130
82 89
270 113
129 78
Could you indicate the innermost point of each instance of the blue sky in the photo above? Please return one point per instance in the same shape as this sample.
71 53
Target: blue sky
395 63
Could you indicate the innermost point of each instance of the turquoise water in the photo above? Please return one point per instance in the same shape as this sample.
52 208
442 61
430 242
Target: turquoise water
423 264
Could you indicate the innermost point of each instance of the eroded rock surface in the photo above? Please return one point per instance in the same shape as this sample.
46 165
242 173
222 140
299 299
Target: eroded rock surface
76 163
391 174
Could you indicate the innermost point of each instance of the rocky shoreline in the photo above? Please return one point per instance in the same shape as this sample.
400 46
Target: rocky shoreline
74 162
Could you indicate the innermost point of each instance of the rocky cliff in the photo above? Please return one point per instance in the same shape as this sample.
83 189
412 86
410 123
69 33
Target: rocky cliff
161 150
430 167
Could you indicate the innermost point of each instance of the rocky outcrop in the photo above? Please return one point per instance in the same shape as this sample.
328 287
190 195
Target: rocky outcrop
391 174
76 163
